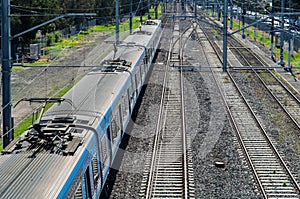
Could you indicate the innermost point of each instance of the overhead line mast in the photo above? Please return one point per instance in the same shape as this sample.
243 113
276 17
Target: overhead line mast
7 133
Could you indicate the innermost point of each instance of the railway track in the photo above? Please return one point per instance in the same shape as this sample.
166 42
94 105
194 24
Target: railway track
272 175
287 98
169 169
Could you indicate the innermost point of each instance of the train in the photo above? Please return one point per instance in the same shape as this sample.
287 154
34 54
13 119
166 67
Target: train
69 150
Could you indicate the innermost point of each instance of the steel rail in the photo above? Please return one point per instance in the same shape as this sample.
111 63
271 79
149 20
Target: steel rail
266 136
157 131
285 110
263 131
231 117
265 85
286 88
279 102
160 127
184 144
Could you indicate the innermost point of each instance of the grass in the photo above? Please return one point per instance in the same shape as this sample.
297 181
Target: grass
226 79
280 138
297 146
17 68
266 76
284 184
215 33
296 59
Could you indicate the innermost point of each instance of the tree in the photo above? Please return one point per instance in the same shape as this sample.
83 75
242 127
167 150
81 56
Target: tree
33 12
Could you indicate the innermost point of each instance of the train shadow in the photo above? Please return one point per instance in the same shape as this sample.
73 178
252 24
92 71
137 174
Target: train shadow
106 192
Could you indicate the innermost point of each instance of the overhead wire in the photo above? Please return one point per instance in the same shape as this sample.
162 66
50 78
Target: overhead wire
29 9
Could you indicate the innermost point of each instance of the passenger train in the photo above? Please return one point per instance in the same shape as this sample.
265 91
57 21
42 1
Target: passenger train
68 151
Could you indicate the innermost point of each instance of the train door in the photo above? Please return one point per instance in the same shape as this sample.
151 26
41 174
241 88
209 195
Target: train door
87 183
114 131
132 89
129 100
116 126
125 109
96 172
121 118
141 72
110 144
136 84
149 57
106 153
145 62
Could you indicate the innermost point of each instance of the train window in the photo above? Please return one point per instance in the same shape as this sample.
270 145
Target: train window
95 167
87 181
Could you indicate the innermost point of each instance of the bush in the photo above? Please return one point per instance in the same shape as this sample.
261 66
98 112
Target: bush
57 36
49 39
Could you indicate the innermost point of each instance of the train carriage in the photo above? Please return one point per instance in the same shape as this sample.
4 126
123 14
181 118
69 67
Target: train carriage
68 152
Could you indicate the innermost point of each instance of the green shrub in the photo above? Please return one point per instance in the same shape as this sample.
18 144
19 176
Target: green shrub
57 36
49 39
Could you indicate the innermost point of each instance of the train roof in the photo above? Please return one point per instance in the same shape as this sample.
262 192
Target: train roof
94 93
24 176
40 172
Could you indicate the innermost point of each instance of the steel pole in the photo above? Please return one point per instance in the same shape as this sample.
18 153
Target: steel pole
272 29
231 15
117 22
155 9
166 6
148 7
7 132
130 17
281 62
243 19
141 10
219 15
195 8
225 36
290 38
213 9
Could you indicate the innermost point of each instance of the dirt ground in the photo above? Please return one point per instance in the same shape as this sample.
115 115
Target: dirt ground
48 81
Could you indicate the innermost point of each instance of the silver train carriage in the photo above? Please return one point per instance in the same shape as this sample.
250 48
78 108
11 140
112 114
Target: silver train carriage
69 151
